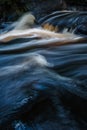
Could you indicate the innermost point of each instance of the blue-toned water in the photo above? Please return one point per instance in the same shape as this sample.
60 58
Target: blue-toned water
43 87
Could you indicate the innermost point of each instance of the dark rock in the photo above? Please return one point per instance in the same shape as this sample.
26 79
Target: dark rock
78 4
10 10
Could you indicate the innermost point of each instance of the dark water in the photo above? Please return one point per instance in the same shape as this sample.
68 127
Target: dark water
43 88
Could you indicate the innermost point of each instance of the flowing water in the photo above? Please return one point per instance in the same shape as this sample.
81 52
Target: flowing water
44 87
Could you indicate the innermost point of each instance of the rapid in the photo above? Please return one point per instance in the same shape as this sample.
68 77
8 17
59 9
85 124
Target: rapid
43 74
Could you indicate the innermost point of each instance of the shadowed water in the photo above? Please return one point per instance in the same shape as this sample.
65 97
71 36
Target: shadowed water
43 87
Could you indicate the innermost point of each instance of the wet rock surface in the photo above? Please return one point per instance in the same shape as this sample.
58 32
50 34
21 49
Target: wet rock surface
11 10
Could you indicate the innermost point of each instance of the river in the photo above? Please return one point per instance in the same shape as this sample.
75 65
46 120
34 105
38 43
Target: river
42 86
